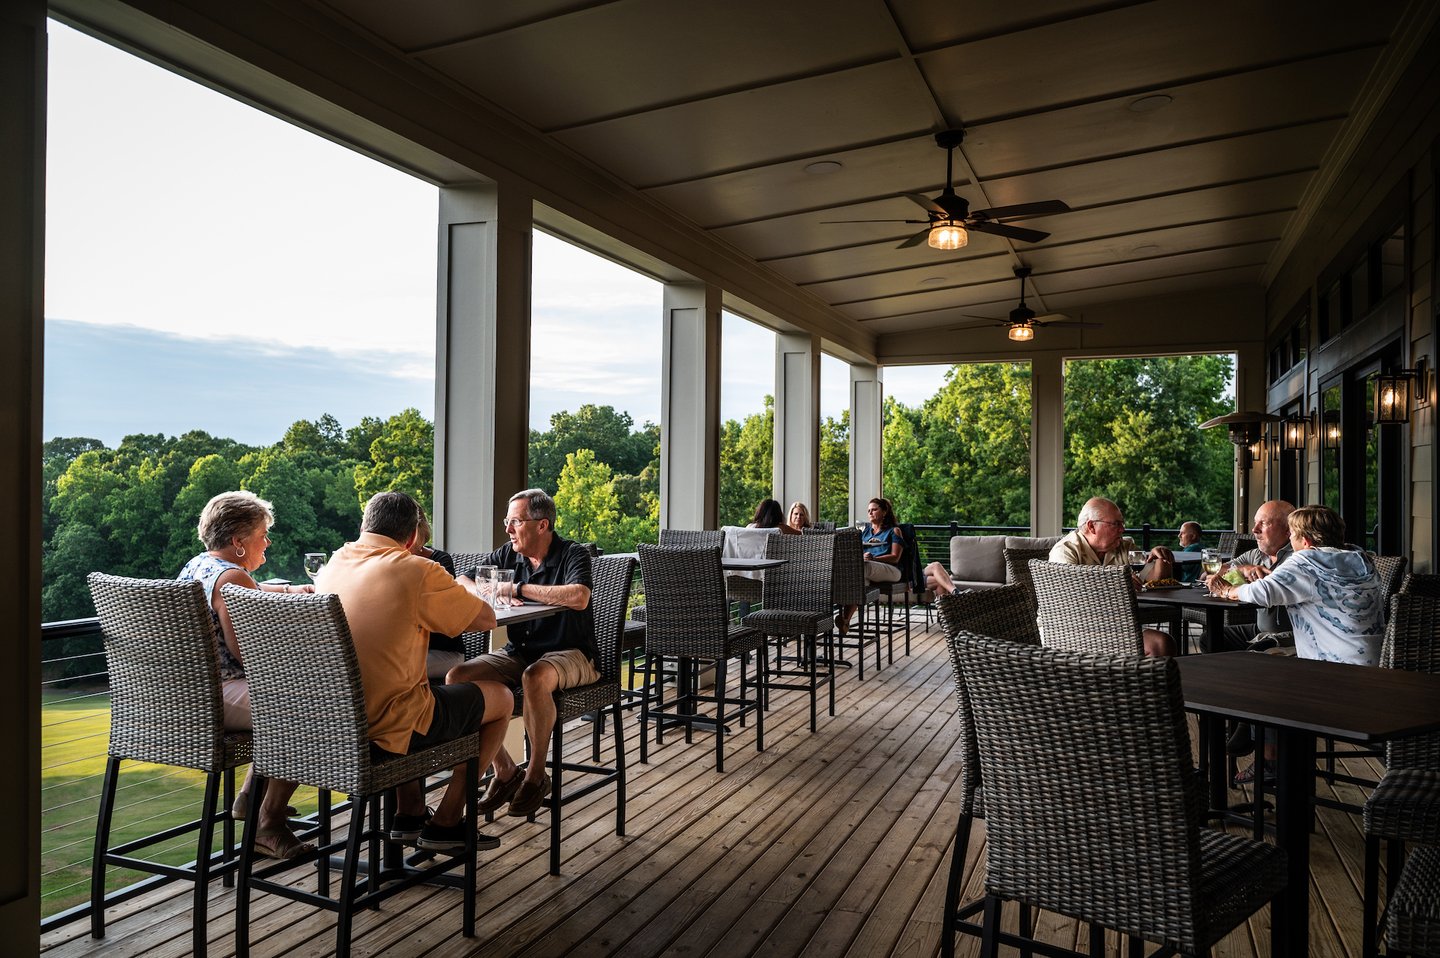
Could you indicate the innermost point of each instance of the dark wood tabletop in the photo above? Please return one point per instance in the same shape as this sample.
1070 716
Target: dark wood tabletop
1188 597
1356 703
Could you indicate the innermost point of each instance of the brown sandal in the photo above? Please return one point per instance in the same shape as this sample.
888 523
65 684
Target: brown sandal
282 845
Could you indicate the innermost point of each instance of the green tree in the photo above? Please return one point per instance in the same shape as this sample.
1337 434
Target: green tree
747 464
402 457
609 434
834 504
1132 435
587 507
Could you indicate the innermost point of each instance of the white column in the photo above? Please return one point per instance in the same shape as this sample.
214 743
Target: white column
22 362
867 423
482 361
797 419
690 408
1047 445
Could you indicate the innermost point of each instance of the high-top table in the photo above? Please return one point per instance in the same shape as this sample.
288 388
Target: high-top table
1300 699
728 563
527 612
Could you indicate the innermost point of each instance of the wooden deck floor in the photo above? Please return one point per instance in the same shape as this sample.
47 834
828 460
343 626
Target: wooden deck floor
833 843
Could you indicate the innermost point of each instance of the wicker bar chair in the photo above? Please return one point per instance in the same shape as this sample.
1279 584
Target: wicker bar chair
1008 614
1086 608
610 590
308 709
476 643
850 589
798 606
1405 805
687 617
1413 915
165 708
1105 829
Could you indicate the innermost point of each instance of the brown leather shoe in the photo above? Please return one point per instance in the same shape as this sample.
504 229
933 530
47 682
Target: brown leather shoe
528 799
499 793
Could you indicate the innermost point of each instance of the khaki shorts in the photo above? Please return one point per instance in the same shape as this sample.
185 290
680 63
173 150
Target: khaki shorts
574 667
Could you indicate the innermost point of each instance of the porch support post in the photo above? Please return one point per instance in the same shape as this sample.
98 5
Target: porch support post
867 423
797 419
1047 445
22 271
690 407
482 361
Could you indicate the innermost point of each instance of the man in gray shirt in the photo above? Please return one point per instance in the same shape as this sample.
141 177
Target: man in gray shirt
1272 547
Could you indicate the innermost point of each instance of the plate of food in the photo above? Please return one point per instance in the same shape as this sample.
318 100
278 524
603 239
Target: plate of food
1160 585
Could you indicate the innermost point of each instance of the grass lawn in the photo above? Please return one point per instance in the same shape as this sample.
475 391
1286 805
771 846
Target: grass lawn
149 798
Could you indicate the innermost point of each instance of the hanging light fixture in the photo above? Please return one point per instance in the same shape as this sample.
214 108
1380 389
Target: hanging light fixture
948 236
1021 332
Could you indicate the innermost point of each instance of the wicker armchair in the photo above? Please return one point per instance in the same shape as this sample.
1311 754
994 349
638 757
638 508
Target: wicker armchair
1017 571
476 643
798 605
1405 806
1413 915
1104 828
1421 583
687 617
692 539
1006 613
850 590
609 592
1086 608
165 708
308 709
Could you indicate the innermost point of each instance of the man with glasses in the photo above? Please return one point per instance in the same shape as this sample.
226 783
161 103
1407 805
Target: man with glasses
556 652
1099 539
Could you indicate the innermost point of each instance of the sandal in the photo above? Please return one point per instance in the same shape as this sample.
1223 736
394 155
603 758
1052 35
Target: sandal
1246 776
241 807
282 845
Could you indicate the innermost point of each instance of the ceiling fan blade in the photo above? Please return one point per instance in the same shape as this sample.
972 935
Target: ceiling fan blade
828 222
1010 232
1039 208
1066 323
916 240
925 202
981 325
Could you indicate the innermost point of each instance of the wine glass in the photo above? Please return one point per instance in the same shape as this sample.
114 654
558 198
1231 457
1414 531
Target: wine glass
1210 561
314 562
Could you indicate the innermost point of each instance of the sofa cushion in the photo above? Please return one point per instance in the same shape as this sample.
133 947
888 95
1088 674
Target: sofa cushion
1031 542
977 558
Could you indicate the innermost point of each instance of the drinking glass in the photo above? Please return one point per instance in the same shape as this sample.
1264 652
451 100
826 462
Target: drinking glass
314 562
485 579
1210 561
504 583
1137 558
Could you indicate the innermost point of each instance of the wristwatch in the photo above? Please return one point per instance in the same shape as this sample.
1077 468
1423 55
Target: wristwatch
516 593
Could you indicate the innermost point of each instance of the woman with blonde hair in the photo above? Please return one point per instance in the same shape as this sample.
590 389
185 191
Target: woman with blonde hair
799 516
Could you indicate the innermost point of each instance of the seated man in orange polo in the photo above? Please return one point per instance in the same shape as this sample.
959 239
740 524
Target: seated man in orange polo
393 600
1099 539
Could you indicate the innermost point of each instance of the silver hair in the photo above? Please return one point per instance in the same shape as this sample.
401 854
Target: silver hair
1092 508
232 515
538 504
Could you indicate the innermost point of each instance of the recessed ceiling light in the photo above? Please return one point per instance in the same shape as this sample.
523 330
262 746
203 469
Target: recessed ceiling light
1149 104
932 281
821 167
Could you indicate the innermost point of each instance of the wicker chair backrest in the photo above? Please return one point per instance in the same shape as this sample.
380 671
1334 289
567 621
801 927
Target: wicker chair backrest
475 643
804 582
165 701
825 526
307 702
1226 545
1017 570
686 612
1086 608
848 582
1421 583
1003 613
1412 642
692 538
1391 570
609 594
1090 794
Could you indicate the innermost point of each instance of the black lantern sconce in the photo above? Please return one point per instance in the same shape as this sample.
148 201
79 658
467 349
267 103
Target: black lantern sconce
1330 430
1294 431
1396 392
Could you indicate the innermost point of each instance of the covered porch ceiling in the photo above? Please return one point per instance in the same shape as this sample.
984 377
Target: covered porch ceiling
1193 142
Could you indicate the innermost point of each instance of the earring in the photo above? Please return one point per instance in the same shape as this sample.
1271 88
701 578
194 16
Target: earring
239 552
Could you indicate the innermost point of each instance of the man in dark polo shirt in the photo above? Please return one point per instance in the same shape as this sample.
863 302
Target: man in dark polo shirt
556 652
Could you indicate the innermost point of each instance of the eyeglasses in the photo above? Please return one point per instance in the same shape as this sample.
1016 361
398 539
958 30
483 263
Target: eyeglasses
1110 522
512 523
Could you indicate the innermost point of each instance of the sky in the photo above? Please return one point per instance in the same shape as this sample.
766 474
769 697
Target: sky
248 259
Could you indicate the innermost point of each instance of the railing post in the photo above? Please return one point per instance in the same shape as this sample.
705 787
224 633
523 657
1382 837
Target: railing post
1145 536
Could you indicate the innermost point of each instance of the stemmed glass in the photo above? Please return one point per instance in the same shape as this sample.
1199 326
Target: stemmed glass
1210 562
314 562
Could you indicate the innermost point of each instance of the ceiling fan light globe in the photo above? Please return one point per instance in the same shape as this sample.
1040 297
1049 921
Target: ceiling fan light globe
948 236
1021 333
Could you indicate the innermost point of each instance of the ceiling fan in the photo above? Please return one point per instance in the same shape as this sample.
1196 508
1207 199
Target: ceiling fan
1023 321
949 215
